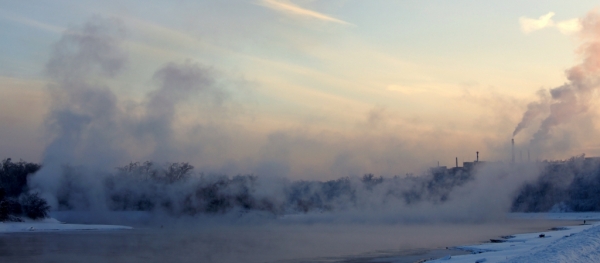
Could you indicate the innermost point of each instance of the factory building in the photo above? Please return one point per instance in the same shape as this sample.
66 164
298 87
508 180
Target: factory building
468 167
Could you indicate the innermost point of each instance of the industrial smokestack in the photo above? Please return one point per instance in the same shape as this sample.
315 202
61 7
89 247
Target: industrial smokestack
477 157
513 150
456 161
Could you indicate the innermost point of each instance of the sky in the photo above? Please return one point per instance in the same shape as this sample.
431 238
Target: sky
304 89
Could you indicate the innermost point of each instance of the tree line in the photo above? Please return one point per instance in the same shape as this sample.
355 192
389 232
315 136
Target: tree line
174 188
563 186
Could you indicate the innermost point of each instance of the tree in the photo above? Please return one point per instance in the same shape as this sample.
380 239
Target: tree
33 206
3 205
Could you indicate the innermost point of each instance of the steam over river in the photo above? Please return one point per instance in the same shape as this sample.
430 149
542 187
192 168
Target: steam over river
264 242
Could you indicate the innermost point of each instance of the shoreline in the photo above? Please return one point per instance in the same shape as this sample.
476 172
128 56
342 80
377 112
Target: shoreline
529 223
514 246
566 224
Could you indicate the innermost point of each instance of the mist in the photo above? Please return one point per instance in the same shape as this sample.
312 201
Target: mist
191 115
92 131
285 150
226 219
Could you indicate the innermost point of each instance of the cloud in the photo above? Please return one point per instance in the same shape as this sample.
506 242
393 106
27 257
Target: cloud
566 27
30 22
569 26
529 25
285 6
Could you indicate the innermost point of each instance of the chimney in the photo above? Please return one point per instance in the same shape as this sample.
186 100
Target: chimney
477 157
456 161
513 150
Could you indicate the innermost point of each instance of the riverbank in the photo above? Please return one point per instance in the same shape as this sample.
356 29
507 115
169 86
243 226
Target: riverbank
576 243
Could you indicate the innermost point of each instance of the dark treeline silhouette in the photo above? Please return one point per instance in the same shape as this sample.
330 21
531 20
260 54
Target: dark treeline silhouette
15 199
569 185
174 188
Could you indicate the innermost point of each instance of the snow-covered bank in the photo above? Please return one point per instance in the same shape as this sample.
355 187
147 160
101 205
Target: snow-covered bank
580 247
50 224
579 243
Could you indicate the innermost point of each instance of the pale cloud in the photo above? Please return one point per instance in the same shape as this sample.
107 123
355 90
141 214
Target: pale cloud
566 27
30 22
289 8
569 26
529 25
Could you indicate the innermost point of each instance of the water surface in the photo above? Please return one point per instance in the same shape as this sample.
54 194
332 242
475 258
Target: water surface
257 242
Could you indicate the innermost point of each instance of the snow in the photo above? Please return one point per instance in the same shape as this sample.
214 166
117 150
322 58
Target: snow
580 243
50 225
580 247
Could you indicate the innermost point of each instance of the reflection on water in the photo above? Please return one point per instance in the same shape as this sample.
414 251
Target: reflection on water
255 243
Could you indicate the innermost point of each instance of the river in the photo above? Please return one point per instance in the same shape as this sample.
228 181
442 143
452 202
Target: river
266 242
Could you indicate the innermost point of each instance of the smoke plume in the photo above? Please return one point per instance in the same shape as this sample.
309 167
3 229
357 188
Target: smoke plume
534 109
574 97
89 125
